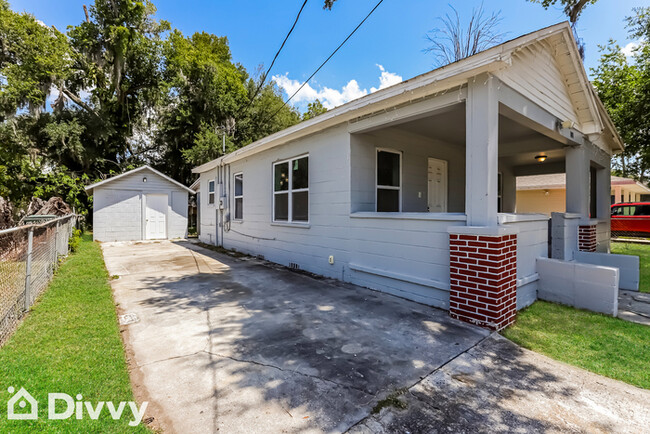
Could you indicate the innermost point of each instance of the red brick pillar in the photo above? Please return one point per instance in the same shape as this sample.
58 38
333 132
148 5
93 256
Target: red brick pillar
587 240
483 278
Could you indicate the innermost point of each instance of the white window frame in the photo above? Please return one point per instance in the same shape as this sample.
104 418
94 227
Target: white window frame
211 195
499 192
388 187
235 196
290 192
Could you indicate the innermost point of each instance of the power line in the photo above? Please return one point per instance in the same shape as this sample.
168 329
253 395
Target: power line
259 86
326 60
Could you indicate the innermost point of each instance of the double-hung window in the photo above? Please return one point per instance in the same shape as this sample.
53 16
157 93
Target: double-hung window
239 196
389 181
291 190
211 192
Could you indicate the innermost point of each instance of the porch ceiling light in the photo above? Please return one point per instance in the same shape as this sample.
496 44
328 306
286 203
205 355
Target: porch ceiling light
540 158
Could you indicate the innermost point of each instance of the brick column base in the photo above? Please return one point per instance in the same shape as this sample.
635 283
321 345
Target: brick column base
483 278
587 241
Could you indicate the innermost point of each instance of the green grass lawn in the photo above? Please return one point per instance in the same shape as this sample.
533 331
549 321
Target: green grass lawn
643 252
605 345
70 343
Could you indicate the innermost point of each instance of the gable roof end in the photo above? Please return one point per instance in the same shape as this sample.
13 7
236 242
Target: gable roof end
130 172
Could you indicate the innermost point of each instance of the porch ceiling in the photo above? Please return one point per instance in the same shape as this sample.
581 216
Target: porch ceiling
518 144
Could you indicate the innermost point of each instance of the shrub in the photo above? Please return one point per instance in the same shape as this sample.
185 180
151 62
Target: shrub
73 243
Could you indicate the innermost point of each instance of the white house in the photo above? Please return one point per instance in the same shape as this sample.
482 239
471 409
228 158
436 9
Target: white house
141 204
546 194
411 189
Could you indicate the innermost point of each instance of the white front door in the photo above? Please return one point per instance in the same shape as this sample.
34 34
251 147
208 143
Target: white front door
156 216
437 181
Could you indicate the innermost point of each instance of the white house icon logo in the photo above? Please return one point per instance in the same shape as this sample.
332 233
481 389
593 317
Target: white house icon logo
23 399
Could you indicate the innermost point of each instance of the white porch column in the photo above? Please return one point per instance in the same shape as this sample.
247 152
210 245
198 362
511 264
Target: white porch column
604 186
617 194
577 181
481 151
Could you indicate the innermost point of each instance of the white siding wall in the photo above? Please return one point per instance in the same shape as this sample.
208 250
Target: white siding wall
118 207
535 73
406 255
329 206
415 151
413 254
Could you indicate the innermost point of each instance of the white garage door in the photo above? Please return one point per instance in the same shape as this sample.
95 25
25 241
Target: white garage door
156 217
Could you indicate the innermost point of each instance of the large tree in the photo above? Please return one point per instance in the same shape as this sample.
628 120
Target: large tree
117 90
623 84
209 100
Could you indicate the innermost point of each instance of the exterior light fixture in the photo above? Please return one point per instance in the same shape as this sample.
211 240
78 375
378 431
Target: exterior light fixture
144 179
540 158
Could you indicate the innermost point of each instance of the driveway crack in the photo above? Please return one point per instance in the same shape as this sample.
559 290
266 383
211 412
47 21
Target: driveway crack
169 358
422 378
292 371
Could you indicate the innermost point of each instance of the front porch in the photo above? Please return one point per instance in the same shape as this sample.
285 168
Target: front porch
433 199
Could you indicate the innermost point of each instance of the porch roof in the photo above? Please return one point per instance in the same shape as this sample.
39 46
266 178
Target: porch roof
431 83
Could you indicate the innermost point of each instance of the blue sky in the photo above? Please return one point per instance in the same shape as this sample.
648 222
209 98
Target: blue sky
388 47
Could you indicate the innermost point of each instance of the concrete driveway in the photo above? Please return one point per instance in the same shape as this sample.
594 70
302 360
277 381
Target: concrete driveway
236 345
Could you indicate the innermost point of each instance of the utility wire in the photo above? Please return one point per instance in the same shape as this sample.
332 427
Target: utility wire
259 86
326 60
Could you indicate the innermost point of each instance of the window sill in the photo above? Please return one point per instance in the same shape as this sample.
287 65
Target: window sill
409 216
237 221
291 225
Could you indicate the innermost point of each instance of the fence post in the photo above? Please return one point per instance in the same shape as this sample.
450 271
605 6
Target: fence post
56 244
28 268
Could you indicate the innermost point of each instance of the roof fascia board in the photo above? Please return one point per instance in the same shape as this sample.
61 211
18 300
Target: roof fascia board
431 82
363 108
408 113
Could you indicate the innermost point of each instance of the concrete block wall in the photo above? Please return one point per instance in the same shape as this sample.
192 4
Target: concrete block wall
628 266
585 286
483 279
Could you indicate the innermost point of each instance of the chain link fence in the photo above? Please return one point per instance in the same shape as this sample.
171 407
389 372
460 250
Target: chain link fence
29 256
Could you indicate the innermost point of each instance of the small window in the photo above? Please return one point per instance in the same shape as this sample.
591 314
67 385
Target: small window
389 177
291 190
211 192
629 210
617 210
239 196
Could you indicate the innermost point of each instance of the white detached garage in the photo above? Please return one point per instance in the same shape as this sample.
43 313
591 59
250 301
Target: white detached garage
141 204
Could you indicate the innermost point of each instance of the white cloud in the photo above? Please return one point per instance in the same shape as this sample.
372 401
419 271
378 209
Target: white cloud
386 79
333 97
628 50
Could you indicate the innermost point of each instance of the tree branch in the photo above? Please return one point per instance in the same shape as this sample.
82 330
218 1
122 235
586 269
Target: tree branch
74 98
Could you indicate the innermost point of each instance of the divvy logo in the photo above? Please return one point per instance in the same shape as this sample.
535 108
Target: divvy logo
23 406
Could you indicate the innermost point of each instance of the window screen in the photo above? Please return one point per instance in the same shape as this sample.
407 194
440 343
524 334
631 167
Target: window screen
388 181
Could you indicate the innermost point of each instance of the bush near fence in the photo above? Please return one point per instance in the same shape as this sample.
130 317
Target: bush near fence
29 256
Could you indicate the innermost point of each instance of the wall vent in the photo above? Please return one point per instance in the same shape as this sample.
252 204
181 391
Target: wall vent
294 266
